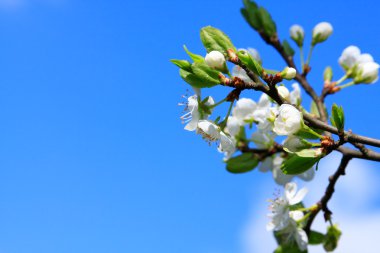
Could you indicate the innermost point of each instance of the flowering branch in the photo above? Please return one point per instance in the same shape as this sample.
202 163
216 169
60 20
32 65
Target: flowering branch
278 112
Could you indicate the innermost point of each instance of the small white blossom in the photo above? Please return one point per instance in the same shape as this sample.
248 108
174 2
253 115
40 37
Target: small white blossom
321 32
367 72
233 126
266 165
279 176
227 146
244 109
295 94
215 59
280 214
288 121
283 92
288 73
240 73
295 144
192 115
297 34
255 54
349 57
209 130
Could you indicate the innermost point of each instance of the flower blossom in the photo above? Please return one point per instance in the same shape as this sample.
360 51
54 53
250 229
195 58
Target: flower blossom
288 121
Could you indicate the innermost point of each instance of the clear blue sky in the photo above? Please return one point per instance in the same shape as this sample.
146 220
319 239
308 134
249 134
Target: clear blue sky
93 155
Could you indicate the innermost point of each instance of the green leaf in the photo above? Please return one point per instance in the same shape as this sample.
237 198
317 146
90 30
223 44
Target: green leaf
308 153
314 109
194 80
289 51
205 73
316 238
295 164
307 133
337 117
289 249
247 59
251 14
194 57
332 238
242 163
182 64
267 22
214 39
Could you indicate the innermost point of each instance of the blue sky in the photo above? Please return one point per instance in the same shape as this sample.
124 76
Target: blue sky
93 155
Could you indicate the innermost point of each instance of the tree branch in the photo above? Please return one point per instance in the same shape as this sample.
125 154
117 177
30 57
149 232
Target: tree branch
322 204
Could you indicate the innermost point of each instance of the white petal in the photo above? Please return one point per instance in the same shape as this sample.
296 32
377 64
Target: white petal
298 197
290 190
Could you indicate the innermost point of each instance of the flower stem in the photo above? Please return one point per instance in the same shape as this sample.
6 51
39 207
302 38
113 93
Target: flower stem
347 85
301 56
309 55
343 78
224 123
218 103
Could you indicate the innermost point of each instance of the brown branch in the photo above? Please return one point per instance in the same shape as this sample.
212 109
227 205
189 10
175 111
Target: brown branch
301 78
322 204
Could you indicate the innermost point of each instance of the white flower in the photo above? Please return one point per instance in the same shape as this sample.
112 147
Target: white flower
295 144
280 214
288 121
209 130
192 115
262 140
307 175
288 73
292 196
241 74
279 176
244 109
297 34
349 57
321 32
295 94
363 58
255 54
367 72
227 146
267 164
215 59
233 126
283 92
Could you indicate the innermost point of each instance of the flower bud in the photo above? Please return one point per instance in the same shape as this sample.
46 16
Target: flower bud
283 92
297 34
367 72
288 73
349 57
328 74
321 32
216 60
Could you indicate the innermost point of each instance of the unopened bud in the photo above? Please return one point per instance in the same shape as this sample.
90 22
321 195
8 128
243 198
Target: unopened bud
328 74
288 73
297 34
321 32
216 60
283 92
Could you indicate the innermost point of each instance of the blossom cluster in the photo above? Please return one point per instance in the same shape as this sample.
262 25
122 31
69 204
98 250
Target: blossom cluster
269 133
